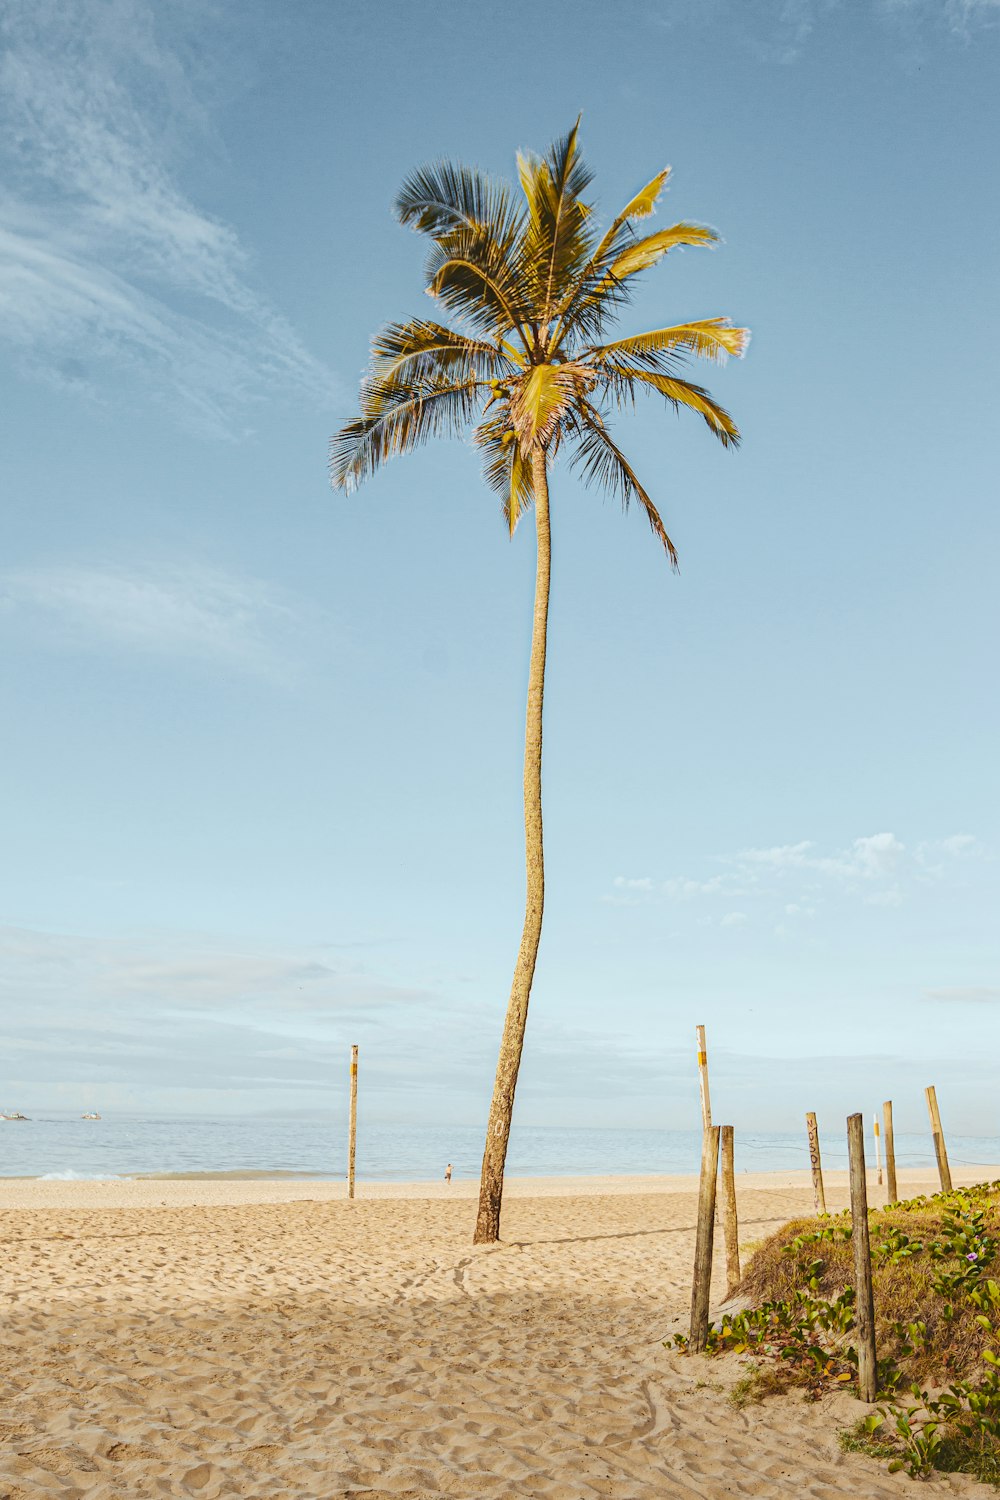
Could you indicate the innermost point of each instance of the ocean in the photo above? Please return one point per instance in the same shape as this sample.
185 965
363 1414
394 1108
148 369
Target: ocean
64 1147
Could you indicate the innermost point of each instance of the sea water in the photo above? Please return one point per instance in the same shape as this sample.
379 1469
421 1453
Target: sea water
57 1146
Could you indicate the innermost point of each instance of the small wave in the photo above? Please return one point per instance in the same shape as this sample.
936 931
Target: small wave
237 1175
81 1177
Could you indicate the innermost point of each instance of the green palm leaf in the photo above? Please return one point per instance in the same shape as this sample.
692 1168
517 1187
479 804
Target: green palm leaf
505 468
558 240
621 382
712 338
443 198
420 349
395 420
602 464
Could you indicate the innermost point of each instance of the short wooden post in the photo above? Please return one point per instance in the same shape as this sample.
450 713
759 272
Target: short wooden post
819 1196
706 1103
352 1128
890 1152
940 1149
864 1305
730 1222
878 1154
705 1233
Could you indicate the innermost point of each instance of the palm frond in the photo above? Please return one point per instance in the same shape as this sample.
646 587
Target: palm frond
620 380
640 207
505 468
396 420
420 349
615 239
477 275
602 463
558 238
605 286
446 196
653 247
539 399
711 338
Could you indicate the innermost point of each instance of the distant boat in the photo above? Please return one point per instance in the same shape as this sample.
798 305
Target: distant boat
92 1116
13 1115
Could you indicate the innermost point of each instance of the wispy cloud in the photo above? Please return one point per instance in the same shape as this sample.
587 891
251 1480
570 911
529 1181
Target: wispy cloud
962 18
783 31
878 868
247 1022
107 266
192 612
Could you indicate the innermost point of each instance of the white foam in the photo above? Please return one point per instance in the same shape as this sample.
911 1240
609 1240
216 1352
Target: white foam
81 1177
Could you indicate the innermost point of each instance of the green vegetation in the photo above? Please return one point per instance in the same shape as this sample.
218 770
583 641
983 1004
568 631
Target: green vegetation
937 1325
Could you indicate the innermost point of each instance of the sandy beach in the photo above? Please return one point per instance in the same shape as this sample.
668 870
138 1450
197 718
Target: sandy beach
255 1338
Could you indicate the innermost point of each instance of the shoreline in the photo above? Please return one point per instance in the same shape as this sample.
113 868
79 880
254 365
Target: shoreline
240 1190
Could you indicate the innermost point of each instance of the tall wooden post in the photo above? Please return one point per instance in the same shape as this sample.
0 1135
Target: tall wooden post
940 1149
819 1195
890 1152
352 1128
706 1103
704 1235
864 1306
730 1223
878 1154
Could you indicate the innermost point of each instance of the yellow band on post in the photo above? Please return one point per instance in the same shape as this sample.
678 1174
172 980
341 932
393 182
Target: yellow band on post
702 1059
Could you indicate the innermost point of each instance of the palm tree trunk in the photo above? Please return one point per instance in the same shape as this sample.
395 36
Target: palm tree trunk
509 1061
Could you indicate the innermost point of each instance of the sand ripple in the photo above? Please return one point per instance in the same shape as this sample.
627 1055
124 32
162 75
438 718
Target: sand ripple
317 1349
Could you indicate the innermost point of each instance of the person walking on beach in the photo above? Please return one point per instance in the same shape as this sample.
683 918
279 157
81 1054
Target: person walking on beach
447 1173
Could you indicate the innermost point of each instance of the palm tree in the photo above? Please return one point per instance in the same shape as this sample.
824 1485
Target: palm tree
530 284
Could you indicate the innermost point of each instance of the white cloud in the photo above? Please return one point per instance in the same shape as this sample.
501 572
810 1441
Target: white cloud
866 858
877 867
782 856
735 919
195 612
106 264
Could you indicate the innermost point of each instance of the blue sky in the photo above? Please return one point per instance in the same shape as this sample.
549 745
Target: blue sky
262 743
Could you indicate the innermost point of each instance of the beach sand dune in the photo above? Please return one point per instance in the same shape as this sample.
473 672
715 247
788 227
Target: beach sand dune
167 1339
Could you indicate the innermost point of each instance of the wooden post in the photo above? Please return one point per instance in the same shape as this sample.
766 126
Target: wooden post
702 1285
890 1152
864 1305
706 1103
878 1154
352 1128
819 1196
940 1150
730 1223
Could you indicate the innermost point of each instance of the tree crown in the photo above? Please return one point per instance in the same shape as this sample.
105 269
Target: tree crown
530 284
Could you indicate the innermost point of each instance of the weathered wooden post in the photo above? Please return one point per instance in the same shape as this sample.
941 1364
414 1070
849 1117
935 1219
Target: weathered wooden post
352 1128
890 1152
819 1196
864 1305
706 1103
878 1154
730 1222
704 1235
940 1149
